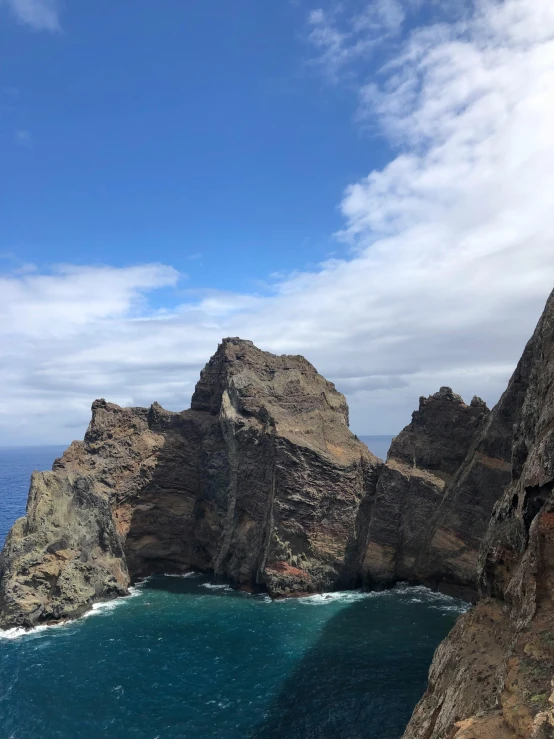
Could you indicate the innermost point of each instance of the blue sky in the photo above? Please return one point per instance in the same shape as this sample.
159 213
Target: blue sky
200 134
365 183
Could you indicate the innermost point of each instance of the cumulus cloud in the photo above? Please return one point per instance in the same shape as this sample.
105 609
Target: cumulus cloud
42 15
451 257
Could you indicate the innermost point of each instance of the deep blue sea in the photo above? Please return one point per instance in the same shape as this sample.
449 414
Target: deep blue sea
189 658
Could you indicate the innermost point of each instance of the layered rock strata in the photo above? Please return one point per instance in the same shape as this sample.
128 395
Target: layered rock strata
261 481
412 489
492 676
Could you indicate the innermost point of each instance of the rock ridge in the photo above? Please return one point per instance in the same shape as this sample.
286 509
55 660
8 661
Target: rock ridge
413 485
492 677
260 480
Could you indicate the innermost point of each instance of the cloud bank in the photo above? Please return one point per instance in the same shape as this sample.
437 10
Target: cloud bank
451 254
41 15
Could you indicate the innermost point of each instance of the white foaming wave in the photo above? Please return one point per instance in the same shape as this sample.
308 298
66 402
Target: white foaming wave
323 599
182 574
347 596
415 593
455 608
110 605
17 632
213 586
440 601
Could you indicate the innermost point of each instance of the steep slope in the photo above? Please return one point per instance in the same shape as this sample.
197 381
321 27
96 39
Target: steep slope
422 460
261 480
492 676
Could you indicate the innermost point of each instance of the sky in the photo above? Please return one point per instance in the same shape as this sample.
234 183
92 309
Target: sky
369 184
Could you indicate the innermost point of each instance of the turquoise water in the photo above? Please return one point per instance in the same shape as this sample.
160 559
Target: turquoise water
188 657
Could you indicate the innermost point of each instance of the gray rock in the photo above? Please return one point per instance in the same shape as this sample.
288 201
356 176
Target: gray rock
492 676
261 481
411 490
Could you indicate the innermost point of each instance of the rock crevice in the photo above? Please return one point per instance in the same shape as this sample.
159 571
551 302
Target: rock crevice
260 481
492 676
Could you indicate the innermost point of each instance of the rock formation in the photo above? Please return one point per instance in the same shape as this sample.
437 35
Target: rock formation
492 676
261 481
412 489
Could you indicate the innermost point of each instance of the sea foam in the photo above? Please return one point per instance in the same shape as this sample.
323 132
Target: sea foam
18 632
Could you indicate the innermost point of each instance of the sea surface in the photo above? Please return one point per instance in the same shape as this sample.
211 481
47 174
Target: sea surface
189 658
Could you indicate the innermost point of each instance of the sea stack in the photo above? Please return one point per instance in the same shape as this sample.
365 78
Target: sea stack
413 488
261 481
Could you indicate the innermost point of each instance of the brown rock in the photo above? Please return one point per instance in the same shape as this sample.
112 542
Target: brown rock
495 668
411 489
261 481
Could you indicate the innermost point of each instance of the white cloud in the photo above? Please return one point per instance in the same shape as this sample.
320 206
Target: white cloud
453 257
42 15
349 32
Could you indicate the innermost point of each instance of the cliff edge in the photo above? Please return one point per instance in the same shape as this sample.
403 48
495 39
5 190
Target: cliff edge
261 481
492 676
414 484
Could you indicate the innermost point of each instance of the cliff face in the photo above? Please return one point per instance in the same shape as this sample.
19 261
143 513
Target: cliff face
412 487
261 480
492 676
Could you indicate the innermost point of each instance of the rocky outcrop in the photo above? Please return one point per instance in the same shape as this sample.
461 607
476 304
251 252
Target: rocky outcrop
261 481
65 552
440 434
421 462
492 676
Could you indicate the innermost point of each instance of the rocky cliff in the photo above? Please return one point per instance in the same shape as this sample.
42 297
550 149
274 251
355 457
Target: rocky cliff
492 677
261 481
414 486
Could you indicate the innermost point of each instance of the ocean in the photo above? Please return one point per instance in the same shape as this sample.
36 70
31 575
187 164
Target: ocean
190 658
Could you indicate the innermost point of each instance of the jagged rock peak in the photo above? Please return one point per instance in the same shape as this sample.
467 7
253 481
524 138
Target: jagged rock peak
410 491
265 385
445 393
261 481
440 433
477 401
492 676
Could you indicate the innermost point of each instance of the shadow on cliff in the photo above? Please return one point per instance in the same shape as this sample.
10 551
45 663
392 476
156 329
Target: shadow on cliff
362 677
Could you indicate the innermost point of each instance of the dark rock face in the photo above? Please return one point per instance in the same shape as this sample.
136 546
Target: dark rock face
440 434
261 480
411 489
450 554
80 562
492 676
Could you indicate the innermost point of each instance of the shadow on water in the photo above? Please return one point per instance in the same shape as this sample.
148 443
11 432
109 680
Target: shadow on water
362 678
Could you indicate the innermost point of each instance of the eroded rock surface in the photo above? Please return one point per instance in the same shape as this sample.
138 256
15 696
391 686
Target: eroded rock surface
492 676
421 462
261 480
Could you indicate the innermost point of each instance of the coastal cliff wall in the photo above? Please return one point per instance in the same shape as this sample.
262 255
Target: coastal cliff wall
492 676
261 481
413 486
